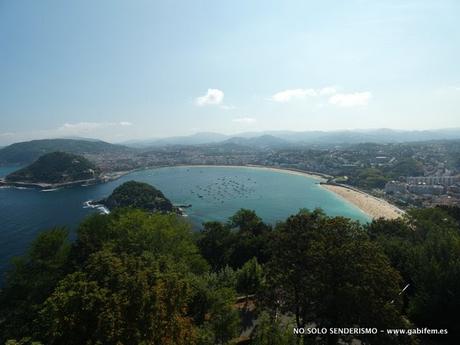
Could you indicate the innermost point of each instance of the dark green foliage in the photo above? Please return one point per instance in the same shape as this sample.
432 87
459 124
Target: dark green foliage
119 299
136 277
23 341
247 221
369 178
327 271
128 280
242 238
212 307
29 151
30 281
215 243
406 167
56 167
250 277
139 195
425 247
452 211
271 332
163 237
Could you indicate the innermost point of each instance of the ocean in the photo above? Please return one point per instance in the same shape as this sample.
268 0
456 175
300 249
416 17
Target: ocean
215 193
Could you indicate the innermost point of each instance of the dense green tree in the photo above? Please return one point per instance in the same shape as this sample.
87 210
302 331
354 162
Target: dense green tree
452 211
215 243
369 178
136 277
205 288
251 239
271 332
406 167
328 272
425 247
247 221
250 277
23 341
234 243
119 299
56 167
138 195
223 318
212 307
29 282
165 237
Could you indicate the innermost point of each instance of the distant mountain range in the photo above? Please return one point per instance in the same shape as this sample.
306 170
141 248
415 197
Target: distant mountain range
283 138
27 152
194 139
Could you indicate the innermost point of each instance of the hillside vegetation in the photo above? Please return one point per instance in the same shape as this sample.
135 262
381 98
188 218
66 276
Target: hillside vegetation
133 277
29 151
56 167
138 195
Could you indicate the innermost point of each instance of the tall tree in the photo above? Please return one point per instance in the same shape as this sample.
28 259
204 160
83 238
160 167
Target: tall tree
29 282
119 299
327 272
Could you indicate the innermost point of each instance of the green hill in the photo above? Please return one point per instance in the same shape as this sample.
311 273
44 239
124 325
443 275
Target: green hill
56 167
29 151
140 195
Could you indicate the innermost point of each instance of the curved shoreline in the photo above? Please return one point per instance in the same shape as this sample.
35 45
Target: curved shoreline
372 206
298 172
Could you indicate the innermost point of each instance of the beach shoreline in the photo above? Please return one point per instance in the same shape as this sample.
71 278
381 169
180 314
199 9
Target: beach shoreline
292 171
372 206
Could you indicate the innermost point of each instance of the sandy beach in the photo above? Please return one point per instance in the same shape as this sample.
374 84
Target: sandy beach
318 176
374 207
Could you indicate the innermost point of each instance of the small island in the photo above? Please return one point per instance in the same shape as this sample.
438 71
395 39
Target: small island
140 195
54 170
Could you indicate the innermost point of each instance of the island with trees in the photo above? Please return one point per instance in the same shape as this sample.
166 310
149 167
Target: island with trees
140 195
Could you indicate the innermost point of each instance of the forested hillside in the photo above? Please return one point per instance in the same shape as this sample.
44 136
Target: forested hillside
138 195
27 152
56 167
135 277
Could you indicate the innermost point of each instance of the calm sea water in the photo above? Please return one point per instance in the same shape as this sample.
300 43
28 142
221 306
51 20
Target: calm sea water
214 192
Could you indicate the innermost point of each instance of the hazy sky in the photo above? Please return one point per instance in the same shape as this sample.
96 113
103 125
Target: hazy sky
118 70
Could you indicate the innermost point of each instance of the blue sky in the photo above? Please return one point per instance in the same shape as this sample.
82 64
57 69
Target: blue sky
120 70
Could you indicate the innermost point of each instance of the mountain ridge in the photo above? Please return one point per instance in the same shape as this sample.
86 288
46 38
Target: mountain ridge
28 151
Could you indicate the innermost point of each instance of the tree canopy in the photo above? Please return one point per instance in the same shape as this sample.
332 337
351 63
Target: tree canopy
137 277
56 167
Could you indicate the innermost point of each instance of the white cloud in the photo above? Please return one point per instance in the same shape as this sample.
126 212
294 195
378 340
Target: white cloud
326 91
212 97
246 120
125 123
6 135
83 127
80 126
292 94
289 95
227 107
346 100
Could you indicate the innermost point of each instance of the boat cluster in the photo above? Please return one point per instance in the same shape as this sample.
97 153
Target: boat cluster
226 188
